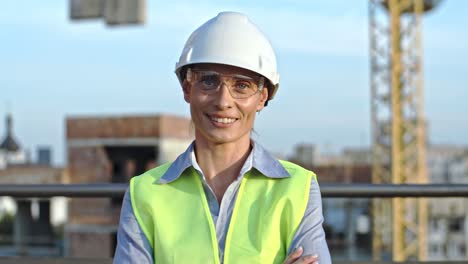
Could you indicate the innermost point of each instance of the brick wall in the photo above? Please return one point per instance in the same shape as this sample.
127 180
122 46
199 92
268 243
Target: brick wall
90 245
89 165
128 127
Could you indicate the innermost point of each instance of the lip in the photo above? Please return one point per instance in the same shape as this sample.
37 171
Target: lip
219 124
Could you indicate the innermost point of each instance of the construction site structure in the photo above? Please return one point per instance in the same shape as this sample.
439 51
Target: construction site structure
113 149
398 126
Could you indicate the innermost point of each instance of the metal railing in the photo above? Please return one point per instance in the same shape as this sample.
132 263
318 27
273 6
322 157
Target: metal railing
327 190
45 260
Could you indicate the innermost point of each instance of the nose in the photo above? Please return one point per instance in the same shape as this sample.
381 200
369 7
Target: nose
223 98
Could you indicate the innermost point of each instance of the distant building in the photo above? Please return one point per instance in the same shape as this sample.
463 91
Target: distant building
44 156
305 154
35 219
448 220
113 149
357 156
346 221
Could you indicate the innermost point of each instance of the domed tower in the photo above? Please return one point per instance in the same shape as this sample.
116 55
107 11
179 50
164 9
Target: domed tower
9 143
398 126
11 152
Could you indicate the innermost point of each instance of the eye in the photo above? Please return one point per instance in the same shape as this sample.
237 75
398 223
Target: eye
209 81
244 86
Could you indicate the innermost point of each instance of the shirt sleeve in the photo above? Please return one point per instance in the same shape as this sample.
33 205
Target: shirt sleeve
310 234
132 244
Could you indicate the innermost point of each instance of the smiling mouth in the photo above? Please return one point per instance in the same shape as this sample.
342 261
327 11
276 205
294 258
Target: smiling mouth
222 120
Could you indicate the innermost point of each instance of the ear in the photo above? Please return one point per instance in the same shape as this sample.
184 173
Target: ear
186 88
263 99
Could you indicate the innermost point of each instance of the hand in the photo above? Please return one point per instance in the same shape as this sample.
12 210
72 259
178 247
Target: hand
295 258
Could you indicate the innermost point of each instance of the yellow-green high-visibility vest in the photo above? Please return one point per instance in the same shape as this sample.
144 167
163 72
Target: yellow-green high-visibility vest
177 222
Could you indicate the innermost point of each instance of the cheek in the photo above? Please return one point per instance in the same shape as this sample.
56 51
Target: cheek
195 110
249 110
197 102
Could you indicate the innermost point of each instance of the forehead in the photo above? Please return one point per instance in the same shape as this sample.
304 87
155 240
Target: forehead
225 69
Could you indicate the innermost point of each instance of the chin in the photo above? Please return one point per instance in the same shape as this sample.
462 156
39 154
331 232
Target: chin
222 140
219 138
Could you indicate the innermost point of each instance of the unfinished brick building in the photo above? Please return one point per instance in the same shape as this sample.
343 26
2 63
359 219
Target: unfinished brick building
113 149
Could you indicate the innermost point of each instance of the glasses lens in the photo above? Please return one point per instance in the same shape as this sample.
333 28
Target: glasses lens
242 88
208 81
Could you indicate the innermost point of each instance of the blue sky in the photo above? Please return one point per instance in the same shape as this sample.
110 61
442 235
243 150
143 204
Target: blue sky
51 68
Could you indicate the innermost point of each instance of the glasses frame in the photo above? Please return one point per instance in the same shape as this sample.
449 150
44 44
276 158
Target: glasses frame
260 83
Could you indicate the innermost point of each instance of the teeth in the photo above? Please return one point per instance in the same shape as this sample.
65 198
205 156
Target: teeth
224 120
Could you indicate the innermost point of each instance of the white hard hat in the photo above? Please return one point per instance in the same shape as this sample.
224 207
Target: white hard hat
231 38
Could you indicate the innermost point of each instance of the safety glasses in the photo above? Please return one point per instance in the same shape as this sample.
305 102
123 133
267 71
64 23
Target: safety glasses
239 86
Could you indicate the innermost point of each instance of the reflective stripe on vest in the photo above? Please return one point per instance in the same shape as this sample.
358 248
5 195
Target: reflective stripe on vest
177 222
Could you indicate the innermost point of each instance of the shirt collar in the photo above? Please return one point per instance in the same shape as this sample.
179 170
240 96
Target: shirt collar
265 163
261 159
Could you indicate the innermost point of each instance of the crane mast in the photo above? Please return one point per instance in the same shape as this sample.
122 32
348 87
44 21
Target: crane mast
398 126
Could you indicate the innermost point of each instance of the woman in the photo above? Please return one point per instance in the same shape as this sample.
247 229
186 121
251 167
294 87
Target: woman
225 199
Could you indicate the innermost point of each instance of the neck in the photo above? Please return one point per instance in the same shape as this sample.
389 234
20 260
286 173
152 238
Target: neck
222 162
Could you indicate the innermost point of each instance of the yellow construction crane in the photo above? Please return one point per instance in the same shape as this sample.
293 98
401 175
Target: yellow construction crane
398 126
